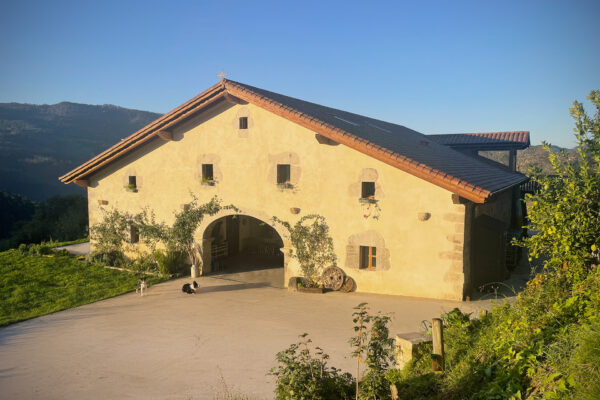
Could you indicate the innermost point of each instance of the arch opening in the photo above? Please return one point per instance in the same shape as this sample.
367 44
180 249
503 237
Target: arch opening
240 243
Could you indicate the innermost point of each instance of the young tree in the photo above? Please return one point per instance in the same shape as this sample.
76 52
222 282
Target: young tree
565 212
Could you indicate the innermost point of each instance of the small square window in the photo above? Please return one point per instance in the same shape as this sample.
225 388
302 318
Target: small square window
368 190
132 182
368 257
207 173
243 122
283 173
134 235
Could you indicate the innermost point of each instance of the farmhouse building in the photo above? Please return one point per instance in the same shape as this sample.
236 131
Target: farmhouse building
409 214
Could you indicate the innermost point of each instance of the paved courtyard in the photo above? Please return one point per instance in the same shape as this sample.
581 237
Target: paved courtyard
169 345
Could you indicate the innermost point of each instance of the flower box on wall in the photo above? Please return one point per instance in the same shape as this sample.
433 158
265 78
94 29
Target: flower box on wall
367 200
208 182
131 188
285 185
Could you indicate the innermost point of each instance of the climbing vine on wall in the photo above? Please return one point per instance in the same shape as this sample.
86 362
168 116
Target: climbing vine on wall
313 247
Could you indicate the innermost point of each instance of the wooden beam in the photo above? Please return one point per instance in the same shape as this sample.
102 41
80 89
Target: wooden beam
232 99
512 160
82 182
165 135
325 140
457 199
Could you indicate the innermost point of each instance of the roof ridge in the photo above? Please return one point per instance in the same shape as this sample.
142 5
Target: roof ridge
394 144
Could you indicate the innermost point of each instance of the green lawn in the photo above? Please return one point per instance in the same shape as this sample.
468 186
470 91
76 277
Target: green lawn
32 285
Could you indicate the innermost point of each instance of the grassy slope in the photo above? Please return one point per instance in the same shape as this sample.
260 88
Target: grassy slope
31 286
544 346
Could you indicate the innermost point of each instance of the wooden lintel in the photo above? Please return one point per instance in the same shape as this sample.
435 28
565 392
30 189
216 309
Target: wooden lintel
325 140
165 135
457 199
82 182
232 99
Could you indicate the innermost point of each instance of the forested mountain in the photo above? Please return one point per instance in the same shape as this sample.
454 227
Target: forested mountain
38 143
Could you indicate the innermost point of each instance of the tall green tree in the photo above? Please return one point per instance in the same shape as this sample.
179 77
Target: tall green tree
564 216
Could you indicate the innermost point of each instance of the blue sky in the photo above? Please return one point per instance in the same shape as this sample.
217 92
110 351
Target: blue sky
433 66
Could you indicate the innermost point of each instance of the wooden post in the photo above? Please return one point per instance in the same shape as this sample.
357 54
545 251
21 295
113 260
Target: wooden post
437 334
512 160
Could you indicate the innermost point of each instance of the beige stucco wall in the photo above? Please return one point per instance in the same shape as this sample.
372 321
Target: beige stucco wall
417 256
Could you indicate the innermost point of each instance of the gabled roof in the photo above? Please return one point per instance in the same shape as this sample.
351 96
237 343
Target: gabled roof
484 140
393 144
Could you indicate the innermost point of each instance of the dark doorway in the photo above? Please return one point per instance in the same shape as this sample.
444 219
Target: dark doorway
243 243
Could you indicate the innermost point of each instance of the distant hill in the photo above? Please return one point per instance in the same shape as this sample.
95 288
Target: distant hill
534 155
38 143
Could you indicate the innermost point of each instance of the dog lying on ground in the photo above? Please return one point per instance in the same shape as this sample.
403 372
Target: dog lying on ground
141 286
189 288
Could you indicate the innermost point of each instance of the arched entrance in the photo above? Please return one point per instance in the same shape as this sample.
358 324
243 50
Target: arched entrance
241 243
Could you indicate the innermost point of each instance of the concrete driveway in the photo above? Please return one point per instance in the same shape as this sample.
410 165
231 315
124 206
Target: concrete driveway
170 345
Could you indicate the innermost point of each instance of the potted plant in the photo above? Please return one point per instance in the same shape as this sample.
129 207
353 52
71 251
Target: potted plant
131 188
285 185
367 200
208 182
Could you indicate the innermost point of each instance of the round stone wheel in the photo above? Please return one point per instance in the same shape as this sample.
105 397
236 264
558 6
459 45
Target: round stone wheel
349 285
333 278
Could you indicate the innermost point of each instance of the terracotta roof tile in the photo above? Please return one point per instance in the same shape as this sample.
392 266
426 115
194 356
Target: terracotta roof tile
484 140
394 144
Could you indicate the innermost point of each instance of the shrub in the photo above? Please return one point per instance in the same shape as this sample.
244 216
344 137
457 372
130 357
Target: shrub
113 258
300 375
171 262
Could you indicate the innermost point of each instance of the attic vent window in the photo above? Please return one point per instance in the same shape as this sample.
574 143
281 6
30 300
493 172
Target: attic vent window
368 257
243 122
346 121
283 176
207 175
132 185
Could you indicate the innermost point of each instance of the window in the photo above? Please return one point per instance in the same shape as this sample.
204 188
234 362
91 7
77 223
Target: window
134 235
207 173
368 190
283 173
243 122
132 182
368 257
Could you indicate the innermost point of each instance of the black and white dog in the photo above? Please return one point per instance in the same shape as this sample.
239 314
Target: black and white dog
189 288
142 285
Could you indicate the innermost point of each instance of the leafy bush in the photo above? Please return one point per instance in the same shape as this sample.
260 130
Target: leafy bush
313 247
171 262
113 258
564 213
542 346
111 235
42 249
300 375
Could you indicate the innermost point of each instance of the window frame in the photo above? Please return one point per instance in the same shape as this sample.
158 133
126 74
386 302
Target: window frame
283 171
243 123
370 254
366 188
205 169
